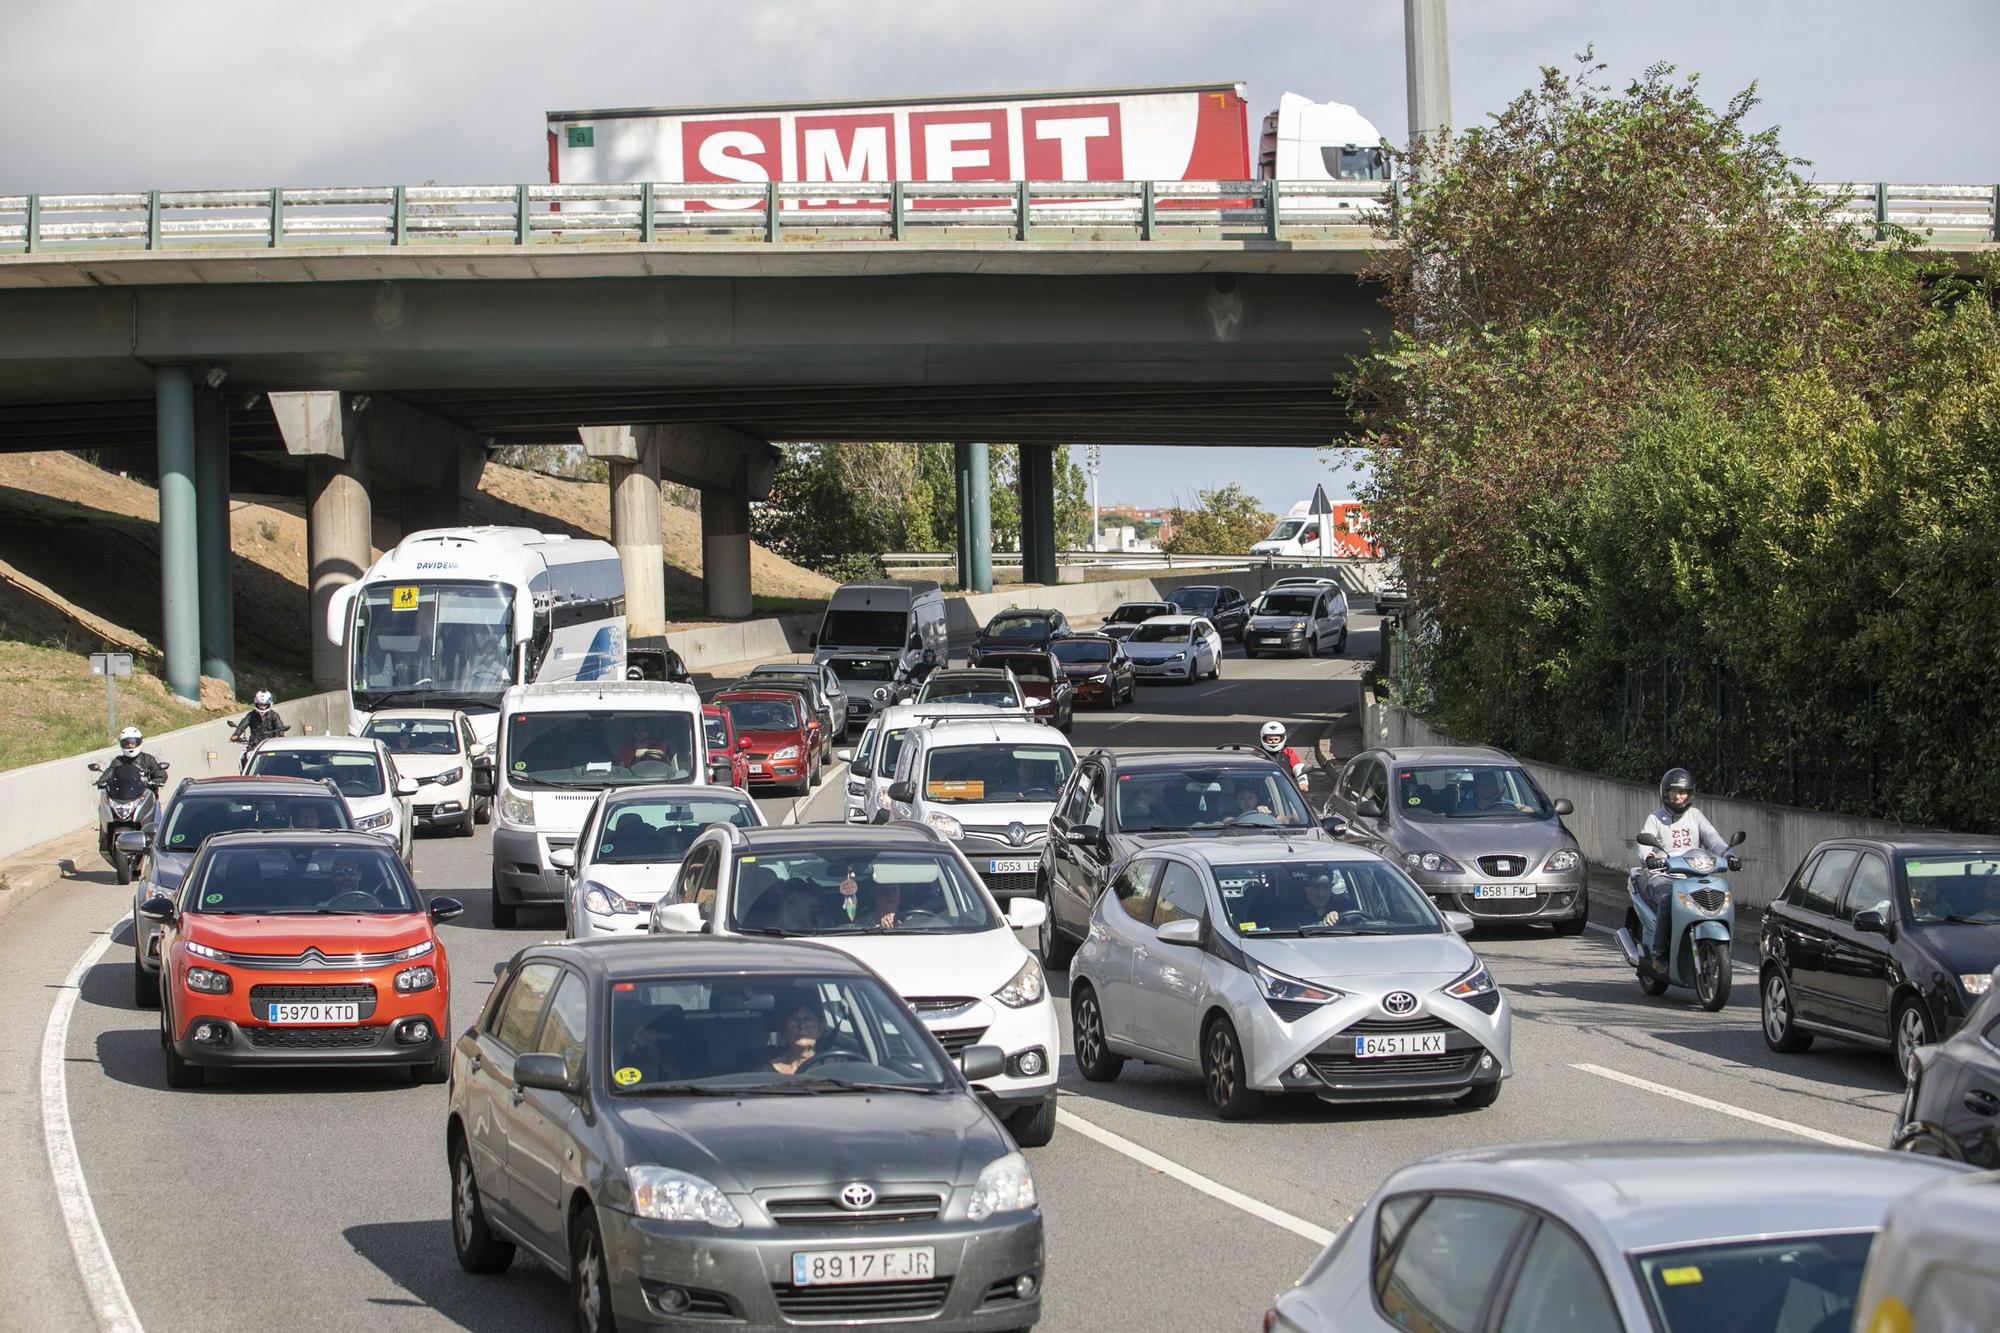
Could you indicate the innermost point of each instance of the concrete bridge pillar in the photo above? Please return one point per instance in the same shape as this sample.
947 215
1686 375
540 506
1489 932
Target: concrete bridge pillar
974 512
326 428
725 551
212 541
442 505
180 580
634 459
1038 513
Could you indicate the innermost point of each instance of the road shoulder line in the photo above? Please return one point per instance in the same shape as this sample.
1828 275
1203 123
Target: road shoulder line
1724 1108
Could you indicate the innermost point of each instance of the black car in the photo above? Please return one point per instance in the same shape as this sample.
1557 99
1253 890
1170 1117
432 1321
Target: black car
1888 942
1116 803
1130 615
733 1132
1220 605
1952 1108
1020 628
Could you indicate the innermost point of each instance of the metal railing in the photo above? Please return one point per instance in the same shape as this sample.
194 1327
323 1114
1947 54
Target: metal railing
1126 560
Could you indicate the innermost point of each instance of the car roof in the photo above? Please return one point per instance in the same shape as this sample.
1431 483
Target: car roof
616 958
1027 611
1087 636
795 837
225 784
414 714
1001 731
1446 754
1175 620
1026 651
1247 848
331 744
334 839
1639 1194
756 692
654 791
1176 759
1904 843
970 673
611 691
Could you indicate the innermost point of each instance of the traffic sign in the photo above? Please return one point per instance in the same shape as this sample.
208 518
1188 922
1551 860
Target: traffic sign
111 664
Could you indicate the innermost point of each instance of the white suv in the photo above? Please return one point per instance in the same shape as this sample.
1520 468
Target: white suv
378 798
989 785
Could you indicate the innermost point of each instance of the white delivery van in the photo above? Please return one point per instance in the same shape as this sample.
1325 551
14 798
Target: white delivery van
1320 529
559 746
873 631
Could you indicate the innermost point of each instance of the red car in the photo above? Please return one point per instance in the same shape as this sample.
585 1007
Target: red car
1044 683
727 763
301 948
784 736
1098 667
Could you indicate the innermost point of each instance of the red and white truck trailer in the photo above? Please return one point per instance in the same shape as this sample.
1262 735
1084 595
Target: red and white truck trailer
1195 132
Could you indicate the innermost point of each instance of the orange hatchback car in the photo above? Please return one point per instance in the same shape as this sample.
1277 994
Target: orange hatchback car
293 949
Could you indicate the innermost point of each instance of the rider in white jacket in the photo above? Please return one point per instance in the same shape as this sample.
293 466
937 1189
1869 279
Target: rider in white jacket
1680 828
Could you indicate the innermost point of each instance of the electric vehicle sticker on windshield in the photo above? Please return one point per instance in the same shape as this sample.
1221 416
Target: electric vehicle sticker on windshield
1680 1277
213 898
626 1077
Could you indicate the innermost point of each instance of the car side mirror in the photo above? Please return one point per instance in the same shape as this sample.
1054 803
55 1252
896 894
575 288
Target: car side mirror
676 919
563 858
1188 931
742 742
862 767
1737 840
406 786
1459 922
904 791
1027 913
1335 824
1648 839
1083 835
978 1062
1871 923
1368 808
845 757
1563 806
157 909
444 909
477 750
543 1069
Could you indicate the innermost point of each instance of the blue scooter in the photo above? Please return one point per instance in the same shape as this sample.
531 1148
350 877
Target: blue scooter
1702 917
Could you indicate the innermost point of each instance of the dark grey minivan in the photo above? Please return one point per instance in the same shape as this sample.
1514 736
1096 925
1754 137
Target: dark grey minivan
735 1133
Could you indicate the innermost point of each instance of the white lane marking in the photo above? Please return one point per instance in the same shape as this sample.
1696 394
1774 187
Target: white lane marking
1724 1108
1739 969
834 781
102 1285
1298 1226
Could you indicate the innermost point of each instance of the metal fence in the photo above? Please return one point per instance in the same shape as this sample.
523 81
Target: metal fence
1076 211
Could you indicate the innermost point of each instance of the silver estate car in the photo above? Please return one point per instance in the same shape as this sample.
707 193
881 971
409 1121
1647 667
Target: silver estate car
1472 828
1266 963
1635 1237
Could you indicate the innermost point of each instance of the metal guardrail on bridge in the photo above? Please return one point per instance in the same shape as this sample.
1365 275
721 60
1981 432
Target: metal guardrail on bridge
568 215
1125 560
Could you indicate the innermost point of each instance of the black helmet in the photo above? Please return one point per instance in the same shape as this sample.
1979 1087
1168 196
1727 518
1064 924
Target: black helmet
1677 782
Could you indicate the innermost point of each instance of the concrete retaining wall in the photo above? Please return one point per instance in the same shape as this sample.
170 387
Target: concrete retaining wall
46 800
1609 811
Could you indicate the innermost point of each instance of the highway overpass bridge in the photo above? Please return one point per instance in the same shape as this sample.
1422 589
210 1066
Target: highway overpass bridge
391 336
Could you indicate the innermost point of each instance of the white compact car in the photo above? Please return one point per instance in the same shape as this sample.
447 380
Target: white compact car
989 784
436 749
629 851
902 900
1183 648
1275 964
378 797
873 765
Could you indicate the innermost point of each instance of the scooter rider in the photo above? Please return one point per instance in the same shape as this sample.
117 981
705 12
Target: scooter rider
261 723
1681 828
131 750
1271 740
926 664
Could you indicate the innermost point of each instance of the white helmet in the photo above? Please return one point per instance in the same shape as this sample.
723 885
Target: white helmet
262 699
131 739
1272 736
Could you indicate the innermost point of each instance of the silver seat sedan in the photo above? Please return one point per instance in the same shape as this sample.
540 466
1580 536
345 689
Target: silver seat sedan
1472 828
1267 963
1636 1237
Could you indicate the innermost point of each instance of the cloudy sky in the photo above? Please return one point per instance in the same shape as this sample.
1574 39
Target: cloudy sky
181 94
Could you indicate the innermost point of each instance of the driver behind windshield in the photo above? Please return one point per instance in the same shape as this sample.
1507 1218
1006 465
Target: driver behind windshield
1307 896
881 905
642 741
1487 797
799 1036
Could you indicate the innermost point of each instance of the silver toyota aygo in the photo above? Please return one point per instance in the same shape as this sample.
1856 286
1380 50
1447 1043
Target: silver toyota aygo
1273 964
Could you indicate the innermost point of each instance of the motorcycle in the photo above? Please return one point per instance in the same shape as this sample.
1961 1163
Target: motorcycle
1701 920
128 810
250 744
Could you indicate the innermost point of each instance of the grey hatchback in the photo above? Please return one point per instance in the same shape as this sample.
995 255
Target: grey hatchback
750 1133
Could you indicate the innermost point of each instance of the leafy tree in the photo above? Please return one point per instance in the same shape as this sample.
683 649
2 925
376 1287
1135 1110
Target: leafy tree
1224 521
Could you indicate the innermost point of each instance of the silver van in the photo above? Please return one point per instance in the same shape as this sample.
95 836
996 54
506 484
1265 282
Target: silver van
873 631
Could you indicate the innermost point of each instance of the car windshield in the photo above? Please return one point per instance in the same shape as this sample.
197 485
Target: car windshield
416 642
603 747
1017 627
1286 530
291 879
1081 650
856 890
964 774
649 828
1295 897
1024 667
1800 1284
864 668
1137 613
355 772
1954 887
414 735
1154 632
196 819
1461 791
850 628
1287 604
1258 794
1194 599
716 730
993 691
762 714
752 1035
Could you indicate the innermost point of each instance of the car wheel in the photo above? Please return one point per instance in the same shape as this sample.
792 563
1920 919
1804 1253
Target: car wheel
1222 1072
145 987
1034 1128
1913 1029
180 1074
590 1278
1481 1097
464 829
1340 644
433 1071
1928 1141
1312 645
479 1249
1095 1060
1781 1030
504 912
1248 651
1575 925
482 810
1055 947
816 776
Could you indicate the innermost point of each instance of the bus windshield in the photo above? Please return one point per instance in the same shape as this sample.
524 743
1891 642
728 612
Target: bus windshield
431 644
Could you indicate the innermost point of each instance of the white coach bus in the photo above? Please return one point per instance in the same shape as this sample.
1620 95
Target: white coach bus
454 616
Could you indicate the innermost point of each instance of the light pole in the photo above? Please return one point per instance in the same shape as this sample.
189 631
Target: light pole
1093 456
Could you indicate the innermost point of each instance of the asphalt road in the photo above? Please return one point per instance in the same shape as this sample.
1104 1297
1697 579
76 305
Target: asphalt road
318 1200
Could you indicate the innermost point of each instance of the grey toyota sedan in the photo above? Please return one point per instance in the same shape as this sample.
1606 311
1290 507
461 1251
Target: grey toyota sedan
748 1133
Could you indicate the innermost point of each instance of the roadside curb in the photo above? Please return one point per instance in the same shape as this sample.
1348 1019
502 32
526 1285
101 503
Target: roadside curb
35 869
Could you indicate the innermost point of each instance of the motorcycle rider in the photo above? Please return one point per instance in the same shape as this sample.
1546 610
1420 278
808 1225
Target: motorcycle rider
131 750
919 673
1271 740
261 723
1681 828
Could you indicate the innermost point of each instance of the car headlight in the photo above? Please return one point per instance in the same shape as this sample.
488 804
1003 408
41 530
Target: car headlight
1177 657
417 950
1976 983
1025 987
857 789
1100 678
1005 1186
1298 626
369 823
1562 862
203 951
449 776
516 810
1435 862
1691 905
155 889
1277 986
946 825
412 979
600 901
208 981
666 1195
789 752
1474 983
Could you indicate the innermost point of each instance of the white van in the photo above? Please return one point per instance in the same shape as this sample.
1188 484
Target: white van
872 631
559 746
